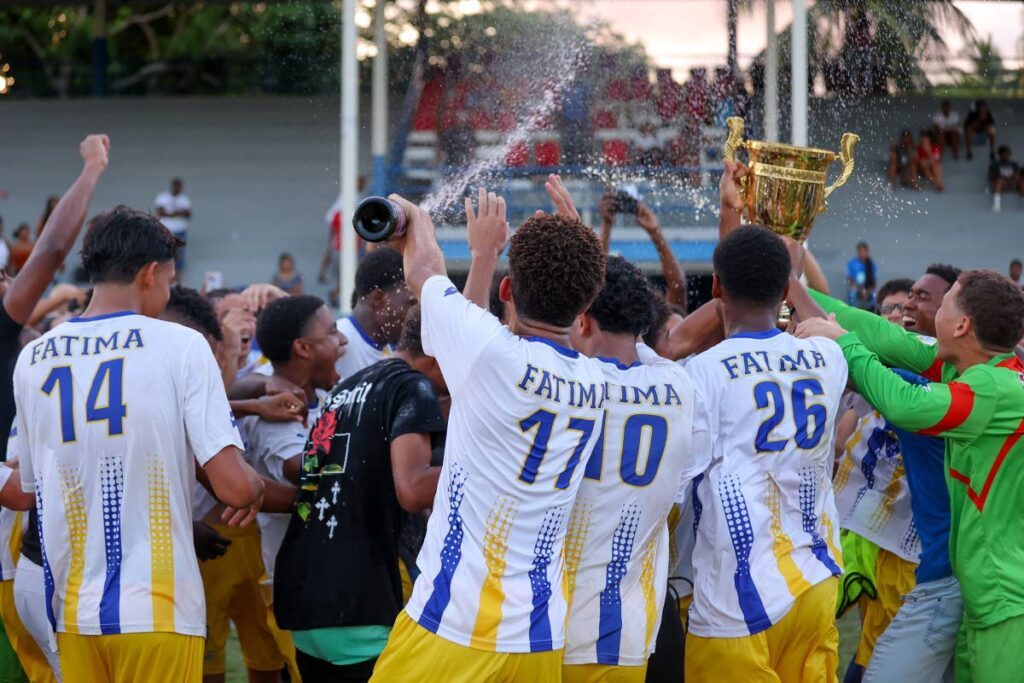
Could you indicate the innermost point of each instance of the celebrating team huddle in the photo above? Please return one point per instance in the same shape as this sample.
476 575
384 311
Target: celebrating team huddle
555 450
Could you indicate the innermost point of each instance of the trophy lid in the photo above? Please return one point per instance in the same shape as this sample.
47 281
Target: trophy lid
822 154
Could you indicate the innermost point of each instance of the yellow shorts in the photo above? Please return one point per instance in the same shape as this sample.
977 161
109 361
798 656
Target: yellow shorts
415 654
684 610
283 638
802 648
30 656
232 586
894 578
603 673
131 658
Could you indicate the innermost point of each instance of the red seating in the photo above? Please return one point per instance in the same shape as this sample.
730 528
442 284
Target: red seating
549 153
517 155
507 121
480 120
606 119
616 152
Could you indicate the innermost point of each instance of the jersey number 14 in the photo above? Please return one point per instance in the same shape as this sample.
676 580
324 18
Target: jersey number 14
109 374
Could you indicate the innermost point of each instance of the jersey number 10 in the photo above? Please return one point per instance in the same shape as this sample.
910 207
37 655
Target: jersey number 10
632 432
109 372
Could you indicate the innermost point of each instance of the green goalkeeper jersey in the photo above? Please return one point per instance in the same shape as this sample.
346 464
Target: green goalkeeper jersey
980 414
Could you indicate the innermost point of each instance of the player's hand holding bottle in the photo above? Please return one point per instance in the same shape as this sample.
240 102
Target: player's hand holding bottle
487 228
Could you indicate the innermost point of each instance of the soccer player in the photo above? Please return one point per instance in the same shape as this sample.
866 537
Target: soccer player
617 550
980 413
299 337
526 408
921 639
115 408
337 583
766 552
382 302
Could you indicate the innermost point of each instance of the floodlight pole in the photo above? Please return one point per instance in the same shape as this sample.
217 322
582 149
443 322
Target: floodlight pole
771 77
349 153
798 82
380 103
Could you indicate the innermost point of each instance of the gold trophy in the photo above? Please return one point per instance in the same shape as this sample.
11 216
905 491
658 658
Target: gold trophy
785 188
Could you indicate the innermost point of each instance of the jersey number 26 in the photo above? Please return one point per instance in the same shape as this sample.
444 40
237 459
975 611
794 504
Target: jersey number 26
768 396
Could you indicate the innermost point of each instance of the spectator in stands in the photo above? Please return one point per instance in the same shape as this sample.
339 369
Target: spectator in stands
978 127
174 209
51 204
287 277
1017 271
861 276
1004 174
21 248
903 162
947 129
329 261
929 160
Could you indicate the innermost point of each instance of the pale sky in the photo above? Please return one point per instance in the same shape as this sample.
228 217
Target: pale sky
684 33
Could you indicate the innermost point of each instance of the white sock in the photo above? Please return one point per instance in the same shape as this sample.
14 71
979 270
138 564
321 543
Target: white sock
997 201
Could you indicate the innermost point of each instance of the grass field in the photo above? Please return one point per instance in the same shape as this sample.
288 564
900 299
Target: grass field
849 632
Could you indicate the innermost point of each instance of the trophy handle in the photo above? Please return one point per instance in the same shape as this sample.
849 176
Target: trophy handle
849 141
735 139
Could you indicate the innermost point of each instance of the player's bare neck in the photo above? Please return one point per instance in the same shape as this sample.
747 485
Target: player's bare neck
524 327
367 321
112 298
298 375
741 320
621 347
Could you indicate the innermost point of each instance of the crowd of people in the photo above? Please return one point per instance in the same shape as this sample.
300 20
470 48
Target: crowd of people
554 473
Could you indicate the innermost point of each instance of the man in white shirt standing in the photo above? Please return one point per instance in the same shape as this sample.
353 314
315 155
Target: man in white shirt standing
174 209
947 128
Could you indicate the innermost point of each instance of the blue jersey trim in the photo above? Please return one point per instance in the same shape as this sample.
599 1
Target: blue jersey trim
764 334
620 366
105 316
362 333
565 351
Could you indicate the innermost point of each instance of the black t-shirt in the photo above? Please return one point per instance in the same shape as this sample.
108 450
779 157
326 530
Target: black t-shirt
983 121
9 349
338 563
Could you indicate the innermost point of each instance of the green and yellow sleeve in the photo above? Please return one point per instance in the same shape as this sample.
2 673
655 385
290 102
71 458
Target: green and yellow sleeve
959 409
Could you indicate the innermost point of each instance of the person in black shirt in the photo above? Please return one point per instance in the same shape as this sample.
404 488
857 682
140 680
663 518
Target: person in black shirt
1004 174
366 464
979 124
20 295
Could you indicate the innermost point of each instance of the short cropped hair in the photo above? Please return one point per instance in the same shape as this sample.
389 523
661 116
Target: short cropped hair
947 272
894 286
189 304
557 268
411 340
494 304
625 305
120 242
753 266
380 269
283 321
995 305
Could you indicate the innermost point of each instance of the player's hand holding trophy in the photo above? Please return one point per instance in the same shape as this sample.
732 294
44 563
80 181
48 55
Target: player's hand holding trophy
784 189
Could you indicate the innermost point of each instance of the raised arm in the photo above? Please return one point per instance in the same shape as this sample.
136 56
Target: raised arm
675 278
697 332
895 346
959 409
488 234
420 251
59 234
731 216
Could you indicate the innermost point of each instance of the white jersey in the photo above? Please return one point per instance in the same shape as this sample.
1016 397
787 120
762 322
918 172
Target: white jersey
617 548
872 494
268 446
684 538
12 522
361 351
108 410
525 415
768 529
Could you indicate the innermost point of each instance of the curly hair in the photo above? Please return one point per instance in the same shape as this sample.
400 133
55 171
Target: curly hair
557 268
752 265
945 271
282 322
188 304
995 305
380 269
625 305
